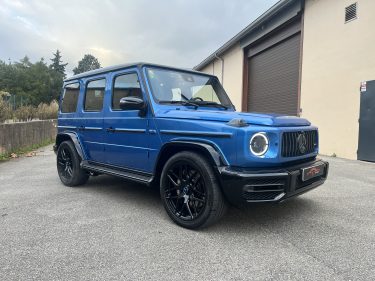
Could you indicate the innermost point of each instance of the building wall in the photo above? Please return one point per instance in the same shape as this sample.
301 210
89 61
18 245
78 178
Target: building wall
232 78
337 56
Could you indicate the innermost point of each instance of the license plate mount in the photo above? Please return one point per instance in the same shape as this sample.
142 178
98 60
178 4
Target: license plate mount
313 172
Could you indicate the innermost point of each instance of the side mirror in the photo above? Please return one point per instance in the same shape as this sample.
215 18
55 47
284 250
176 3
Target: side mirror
133 103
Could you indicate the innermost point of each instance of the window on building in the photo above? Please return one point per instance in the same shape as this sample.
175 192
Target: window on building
351 12
126 85
95 95
70 98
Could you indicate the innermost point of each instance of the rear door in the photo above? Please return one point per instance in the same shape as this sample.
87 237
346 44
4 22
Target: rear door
126 141
91 118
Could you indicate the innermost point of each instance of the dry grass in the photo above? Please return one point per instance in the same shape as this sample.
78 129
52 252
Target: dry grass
5 111
47 111
28 113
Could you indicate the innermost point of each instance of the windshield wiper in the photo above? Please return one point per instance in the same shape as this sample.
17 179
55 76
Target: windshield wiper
195 103
182 102
207 103
212 103
184 97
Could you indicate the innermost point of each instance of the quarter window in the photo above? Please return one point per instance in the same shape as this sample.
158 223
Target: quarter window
95 95
70 98
126 85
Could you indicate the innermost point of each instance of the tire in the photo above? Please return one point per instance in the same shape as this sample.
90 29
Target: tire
190 191
68 165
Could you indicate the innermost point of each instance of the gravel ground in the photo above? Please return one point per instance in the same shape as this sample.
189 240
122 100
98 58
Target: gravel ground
111 229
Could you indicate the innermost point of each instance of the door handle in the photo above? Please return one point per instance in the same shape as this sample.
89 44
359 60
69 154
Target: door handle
81 128
110 130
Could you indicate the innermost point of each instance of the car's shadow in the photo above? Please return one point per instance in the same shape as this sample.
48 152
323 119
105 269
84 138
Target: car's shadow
237 219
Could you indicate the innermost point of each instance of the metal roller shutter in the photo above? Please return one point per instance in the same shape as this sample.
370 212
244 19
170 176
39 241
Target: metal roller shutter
273 78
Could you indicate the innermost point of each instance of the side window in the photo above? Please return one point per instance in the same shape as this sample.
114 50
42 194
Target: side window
126 85
95 95
70 98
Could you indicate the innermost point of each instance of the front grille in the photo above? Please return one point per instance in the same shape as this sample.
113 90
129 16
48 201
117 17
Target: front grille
298 143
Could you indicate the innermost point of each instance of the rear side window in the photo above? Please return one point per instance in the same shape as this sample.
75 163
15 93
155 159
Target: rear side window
94 95
126 85
70 98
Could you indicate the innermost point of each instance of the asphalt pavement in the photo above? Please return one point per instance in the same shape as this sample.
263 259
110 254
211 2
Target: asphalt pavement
110 229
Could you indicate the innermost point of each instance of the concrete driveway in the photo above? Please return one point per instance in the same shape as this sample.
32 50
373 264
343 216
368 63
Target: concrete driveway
110 229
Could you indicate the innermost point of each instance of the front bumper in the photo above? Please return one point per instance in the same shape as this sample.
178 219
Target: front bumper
268 185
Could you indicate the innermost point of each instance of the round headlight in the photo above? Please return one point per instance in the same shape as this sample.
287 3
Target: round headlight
259 144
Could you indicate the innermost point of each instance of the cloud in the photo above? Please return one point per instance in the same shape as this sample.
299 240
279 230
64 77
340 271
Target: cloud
179 32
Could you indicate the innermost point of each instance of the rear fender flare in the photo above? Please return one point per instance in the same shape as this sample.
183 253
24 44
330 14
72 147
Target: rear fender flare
74 138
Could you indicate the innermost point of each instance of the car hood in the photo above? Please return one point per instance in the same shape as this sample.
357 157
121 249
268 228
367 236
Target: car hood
263 119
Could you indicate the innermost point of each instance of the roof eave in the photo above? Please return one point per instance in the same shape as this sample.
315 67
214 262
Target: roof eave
229 44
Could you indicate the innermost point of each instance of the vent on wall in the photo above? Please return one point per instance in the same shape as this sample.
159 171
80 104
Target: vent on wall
351 12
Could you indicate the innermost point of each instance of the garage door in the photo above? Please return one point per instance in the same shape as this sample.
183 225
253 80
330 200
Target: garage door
273 78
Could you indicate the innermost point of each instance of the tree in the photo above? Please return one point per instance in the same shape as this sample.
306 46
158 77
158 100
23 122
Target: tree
25 62
30 83
57 64
57 74
89 62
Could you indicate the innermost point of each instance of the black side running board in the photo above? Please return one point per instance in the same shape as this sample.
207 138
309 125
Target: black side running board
130 175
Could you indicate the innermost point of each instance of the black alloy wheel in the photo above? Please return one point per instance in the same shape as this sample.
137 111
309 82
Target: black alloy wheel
68 165
185 193
64 163
190 191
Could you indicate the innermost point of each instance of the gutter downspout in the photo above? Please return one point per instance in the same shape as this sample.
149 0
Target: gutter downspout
222 68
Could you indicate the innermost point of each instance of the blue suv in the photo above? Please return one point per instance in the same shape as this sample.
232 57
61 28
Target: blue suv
178 129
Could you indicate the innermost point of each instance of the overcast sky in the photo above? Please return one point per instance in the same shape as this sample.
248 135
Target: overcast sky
175 32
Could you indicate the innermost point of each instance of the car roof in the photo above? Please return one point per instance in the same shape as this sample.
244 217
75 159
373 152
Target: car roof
123 66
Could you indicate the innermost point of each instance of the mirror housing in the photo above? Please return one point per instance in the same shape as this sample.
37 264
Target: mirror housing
131 103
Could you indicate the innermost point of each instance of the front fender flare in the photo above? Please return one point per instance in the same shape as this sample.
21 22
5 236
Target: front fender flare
216 156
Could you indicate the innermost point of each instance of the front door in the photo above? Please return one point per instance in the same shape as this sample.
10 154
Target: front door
126 143
366 141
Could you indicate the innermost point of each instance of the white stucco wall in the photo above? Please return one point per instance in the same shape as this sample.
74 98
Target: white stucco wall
232 78
337 56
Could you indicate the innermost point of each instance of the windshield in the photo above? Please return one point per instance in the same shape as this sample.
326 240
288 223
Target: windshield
178 87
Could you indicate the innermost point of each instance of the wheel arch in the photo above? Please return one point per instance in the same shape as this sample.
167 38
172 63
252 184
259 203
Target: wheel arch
69 136
171 148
